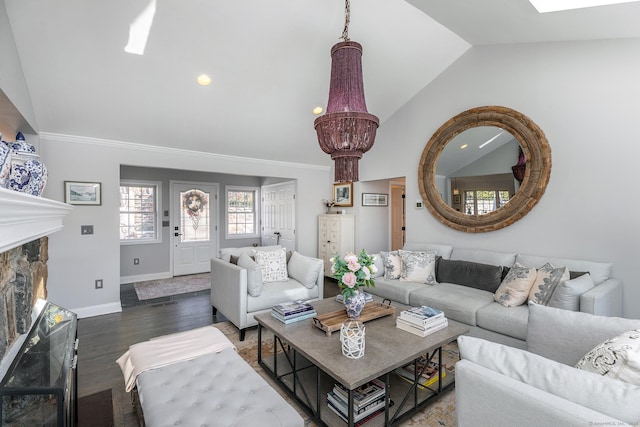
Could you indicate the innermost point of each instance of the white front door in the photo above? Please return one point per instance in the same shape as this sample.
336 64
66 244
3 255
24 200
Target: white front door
279 215
194 228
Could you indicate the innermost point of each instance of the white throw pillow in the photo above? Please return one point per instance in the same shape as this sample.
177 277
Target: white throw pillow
514 289
618 358
418 267
568 292
379 263
254 275
547 279
304 269
273 265
613 398
392 265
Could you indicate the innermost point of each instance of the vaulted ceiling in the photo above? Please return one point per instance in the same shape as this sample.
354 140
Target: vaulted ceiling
269 61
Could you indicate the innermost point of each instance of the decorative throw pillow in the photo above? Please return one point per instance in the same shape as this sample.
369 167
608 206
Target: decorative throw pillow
568 292
392 265
418 267
254 275
547 279
514 289
273 265
304 269
618 358
379 263
472 274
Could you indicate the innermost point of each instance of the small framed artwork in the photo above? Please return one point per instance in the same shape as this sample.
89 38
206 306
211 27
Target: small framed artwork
343 194
456 199
82 193
375 199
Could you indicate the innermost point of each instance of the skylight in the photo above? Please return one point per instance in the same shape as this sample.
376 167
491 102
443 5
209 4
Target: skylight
139 30
544 6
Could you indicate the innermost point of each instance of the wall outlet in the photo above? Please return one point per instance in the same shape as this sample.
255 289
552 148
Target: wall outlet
98 283
136 261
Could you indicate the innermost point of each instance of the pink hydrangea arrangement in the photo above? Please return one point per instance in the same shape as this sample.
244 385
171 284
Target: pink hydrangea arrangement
353 272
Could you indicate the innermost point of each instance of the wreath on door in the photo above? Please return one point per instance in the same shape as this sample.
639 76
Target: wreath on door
193 202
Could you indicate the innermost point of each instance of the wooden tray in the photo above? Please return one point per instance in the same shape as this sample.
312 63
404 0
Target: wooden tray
330 322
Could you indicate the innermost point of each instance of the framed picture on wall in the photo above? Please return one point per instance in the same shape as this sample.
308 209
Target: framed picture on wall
82 193
343 194
375 199
456 199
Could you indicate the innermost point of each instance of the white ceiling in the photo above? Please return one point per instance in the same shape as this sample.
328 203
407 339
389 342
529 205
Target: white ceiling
269 61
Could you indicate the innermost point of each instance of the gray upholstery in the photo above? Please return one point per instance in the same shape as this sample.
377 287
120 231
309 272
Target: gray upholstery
395 290
218 389
600 271
484 257
443 250
459 303
510 321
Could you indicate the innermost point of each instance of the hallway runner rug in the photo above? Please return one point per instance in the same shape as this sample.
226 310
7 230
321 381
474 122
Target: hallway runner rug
152 289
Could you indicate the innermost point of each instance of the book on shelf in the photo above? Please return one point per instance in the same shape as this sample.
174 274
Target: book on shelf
294 317
429 375
362 395
292 307
367 295
362 417
423 384
422 315
420 331
340 404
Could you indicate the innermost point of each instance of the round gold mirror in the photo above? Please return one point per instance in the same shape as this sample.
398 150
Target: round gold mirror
508 206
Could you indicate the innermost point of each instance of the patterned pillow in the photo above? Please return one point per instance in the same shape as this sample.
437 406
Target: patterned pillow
273 265
618 358
514 289
392 265
547 279
418 267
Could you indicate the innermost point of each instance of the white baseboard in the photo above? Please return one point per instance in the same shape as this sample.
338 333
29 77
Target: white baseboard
98 310
145 277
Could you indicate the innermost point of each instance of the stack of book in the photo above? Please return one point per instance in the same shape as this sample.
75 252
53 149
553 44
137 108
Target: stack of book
368 401
293 311
428 369
368 297
421 321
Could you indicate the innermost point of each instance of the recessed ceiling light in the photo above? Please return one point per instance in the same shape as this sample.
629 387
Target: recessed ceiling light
318 110
463 146
544 6
204 79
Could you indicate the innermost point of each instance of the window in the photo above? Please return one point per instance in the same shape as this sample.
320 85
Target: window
481 202
242 208
139 212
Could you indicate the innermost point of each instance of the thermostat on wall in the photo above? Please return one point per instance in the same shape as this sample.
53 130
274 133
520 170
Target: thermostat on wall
419 204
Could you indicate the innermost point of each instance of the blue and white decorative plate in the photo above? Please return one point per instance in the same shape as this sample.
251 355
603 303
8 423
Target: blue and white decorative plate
5 164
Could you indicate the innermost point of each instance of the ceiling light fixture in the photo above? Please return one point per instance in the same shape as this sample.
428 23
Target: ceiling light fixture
543 6
347 130
204 79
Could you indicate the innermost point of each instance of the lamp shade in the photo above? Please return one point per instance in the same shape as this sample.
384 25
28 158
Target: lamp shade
347 130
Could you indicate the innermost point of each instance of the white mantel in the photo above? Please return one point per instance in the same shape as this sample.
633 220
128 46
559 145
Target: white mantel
24 218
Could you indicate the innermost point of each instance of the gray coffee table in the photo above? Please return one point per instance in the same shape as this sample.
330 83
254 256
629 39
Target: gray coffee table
310 362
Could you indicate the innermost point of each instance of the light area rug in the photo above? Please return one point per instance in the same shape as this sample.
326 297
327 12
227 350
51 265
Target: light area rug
151 289
439 414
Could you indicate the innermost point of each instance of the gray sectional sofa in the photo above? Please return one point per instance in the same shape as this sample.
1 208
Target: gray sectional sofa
466 295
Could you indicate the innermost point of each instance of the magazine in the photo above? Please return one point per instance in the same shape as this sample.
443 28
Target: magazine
289 308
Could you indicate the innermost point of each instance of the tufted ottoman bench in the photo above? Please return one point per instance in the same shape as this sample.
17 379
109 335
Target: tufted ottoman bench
213 389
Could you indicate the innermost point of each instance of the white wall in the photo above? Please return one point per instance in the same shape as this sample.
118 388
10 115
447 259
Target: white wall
586 98
76 260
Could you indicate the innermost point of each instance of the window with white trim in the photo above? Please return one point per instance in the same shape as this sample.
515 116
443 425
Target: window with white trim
140 220
242 212
481 202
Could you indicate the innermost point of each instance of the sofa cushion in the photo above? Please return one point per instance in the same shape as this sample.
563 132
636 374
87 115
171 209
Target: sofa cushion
567 293
254 274
273 265
395 290
618 357
547 279
225 253
278 292
458 302
514 289
484 257
510 321
613 398
600 271
476 275
566 336
442 250
418 267
304 269
379 263
392 265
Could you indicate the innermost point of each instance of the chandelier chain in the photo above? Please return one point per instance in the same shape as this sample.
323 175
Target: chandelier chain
347 19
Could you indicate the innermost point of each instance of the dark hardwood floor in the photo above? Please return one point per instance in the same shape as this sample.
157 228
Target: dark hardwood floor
103 339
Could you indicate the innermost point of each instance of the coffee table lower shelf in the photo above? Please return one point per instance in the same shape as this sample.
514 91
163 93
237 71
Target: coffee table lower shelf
309 386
